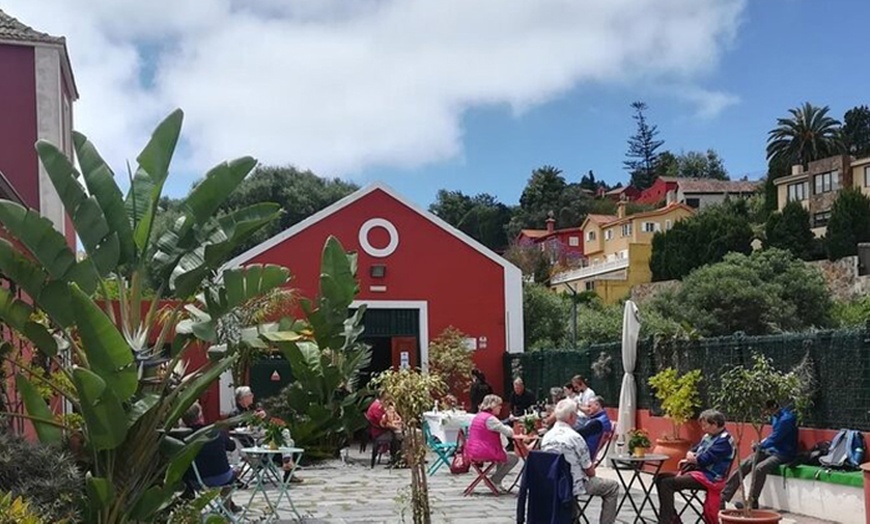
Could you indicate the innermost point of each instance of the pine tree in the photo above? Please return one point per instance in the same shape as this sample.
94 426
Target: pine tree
642 146
790 230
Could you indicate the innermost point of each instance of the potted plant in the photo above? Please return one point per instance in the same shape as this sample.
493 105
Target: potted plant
530 424
638 442
274 429
679 400
742 395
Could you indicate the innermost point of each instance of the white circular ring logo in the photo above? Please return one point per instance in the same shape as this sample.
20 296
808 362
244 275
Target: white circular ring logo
364 237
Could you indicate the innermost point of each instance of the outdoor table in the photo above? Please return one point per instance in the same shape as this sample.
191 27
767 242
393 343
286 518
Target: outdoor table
638 465
267 466
523 444
445 425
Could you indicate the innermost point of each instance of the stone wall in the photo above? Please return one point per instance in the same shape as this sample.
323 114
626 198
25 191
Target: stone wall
642 293
842 278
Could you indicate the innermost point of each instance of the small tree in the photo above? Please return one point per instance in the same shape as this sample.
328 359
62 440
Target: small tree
678 395
849 224
790 230
450 358
642 157
744 394
412 393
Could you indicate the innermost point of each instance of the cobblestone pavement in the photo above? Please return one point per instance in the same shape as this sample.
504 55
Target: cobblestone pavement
350 492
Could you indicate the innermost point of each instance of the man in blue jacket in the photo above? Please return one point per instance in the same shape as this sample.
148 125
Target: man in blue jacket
779 448
711 456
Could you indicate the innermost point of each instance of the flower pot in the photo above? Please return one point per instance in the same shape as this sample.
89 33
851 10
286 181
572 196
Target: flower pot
675 449
758 516
273 445
638 452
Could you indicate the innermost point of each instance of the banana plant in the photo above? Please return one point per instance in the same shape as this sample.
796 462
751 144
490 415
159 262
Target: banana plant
323 405
124 385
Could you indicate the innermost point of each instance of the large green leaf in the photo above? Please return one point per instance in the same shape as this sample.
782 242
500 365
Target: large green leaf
142 406
205 199
37 408
186 394
108 354
105 419
238 226
337 279
147 186
100 182
53 297
99 241
153 500
46 244
16 313
243 284
100 491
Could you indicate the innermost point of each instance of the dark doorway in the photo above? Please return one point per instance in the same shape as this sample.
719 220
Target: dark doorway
390 332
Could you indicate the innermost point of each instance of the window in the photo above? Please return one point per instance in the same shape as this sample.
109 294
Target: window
827 182
626 230
608 235
694 203
650 227
668 224
590 236
797 192
867 176
821 219
590 285
573 241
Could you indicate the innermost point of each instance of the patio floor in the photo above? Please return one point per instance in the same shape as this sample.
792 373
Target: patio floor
350 492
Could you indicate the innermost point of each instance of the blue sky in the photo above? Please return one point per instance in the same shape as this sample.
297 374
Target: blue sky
455 94
780 58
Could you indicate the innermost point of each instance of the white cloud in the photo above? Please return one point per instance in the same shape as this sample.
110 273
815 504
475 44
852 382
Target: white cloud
709 103
338 86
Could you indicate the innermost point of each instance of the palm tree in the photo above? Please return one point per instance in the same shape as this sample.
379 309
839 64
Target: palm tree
809 134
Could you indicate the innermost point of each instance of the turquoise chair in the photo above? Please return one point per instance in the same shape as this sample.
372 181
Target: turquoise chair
443 451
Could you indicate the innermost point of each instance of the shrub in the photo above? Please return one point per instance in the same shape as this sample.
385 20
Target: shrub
768 291
790 230
851 314
545 317
17 511
43 474
451 359
849 223
678 395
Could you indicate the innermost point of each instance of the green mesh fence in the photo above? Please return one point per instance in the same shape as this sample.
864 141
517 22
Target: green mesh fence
838 363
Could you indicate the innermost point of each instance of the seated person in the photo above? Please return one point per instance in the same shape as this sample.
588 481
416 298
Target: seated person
520 399
391 419
484 440
705 465
595 425
563 439
211 461
584 394
376 414
479 389
779 448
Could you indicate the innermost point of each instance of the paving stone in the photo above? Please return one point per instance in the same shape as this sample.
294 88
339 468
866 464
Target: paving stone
351 492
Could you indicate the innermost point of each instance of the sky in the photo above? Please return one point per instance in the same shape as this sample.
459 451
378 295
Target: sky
467 95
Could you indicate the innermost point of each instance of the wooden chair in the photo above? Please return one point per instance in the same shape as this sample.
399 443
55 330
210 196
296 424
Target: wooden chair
482 469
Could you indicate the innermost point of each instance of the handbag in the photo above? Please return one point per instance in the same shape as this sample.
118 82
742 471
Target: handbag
460 463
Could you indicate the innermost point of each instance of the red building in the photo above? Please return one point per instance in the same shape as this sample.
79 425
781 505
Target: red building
418 275
565 245
37 91
657 193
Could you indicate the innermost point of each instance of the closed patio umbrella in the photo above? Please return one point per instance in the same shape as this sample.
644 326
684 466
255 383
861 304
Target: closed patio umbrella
628 393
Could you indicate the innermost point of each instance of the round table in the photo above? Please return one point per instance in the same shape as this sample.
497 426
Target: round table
638 465
266 466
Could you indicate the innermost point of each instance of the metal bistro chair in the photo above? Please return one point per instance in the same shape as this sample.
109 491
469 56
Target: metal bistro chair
603 447
443 450
693 501
218 505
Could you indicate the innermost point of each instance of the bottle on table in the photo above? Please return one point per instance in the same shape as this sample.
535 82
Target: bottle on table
620 445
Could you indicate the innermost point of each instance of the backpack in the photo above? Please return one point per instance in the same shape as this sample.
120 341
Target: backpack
846 451
460 463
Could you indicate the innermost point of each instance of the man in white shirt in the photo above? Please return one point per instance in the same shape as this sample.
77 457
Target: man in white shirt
585 395
563 439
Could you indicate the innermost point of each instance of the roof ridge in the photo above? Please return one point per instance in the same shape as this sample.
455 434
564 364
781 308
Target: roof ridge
13 29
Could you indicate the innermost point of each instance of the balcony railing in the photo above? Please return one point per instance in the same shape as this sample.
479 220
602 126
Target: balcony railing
590 271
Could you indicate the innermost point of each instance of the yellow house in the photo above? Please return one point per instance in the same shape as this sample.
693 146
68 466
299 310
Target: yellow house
618 249
816 187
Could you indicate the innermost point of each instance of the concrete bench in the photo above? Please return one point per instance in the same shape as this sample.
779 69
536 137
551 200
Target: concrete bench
814 491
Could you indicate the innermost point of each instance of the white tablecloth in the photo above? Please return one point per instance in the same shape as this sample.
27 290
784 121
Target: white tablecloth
445 425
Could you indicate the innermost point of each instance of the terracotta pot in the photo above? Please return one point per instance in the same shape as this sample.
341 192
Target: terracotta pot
759 516
675 449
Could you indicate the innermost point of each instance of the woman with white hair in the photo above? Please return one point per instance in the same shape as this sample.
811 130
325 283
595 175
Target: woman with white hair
484 440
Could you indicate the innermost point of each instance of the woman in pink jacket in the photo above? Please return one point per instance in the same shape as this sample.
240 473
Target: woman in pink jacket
484 439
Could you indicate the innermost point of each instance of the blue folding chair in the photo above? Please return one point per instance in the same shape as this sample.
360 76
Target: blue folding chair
443 450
